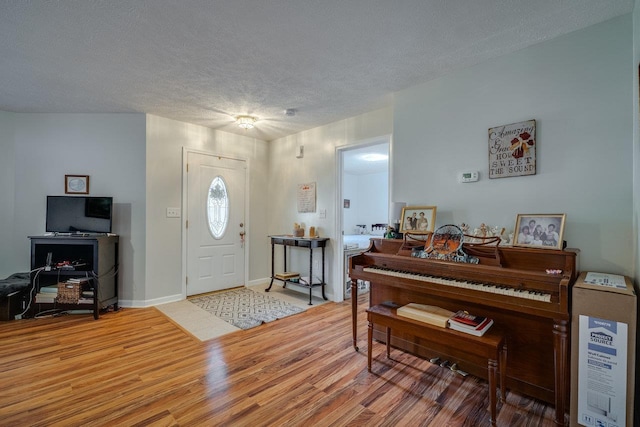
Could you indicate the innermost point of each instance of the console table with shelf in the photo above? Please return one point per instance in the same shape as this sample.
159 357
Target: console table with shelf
300 242
56 259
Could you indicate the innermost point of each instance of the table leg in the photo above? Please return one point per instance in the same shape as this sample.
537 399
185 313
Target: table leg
323 281
354 313
272 266
284 248
310 274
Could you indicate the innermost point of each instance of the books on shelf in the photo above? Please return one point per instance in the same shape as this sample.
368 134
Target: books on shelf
78 280
45 298
287 275
430 314
468 323
47 294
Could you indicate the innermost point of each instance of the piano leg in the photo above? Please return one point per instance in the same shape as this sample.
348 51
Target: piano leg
388 342
354 314
492 367
370 346
560 352
503 373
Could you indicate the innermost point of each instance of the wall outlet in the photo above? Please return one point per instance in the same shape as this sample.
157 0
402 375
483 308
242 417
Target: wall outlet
173 212
323 214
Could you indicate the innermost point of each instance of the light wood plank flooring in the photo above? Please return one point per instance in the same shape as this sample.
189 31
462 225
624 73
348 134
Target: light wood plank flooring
136 368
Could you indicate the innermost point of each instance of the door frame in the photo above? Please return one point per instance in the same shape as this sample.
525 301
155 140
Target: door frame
338 277
185 213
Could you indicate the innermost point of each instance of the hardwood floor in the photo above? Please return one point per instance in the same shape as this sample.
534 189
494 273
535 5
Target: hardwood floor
136 368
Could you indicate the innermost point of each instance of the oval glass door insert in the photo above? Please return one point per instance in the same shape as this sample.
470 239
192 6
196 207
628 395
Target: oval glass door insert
218 207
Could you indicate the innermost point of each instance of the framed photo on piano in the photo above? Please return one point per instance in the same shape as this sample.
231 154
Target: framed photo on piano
418 219
543 231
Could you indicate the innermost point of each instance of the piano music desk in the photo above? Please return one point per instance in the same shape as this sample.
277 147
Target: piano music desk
491 346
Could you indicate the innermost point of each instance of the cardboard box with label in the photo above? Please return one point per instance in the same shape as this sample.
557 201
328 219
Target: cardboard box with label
603 343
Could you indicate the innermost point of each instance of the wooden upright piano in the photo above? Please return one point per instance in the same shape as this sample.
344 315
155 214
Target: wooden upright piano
525 290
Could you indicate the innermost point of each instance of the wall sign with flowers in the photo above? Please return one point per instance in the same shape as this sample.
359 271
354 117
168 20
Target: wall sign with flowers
512 150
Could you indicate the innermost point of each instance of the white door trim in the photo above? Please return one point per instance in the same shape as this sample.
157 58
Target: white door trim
247 209
338 278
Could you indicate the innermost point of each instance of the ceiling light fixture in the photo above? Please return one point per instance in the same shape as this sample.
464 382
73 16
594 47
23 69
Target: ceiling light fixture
245 122
374 157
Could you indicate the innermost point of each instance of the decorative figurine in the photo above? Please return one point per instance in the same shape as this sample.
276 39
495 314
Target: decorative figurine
391 233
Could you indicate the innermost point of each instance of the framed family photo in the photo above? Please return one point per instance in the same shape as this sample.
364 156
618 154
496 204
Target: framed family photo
539 230
418 219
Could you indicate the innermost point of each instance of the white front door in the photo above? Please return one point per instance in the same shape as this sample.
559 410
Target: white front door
216 222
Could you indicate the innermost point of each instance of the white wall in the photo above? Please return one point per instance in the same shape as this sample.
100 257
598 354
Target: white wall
137 159
577 88
635 72
165 140
350 216
319 166
10 255
107 147
369 196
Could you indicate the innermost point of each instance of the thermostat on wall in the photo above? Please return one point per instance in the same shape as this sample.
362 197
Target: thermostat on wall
469 176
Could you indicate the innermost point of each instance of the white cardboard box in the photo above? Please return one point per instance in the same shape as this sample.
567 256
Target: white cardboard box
603 343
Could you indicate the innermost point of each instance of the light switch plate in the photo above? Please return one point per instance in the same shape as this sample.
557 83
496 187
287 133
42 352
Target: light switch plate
173 212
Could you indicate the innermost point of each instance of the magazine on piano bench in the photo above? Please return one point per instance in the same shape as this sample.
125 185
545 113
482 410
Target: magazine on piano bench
469 323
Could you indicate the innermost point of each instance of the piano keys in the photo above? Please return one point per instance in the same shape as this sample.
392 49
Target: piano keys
531 305
494 288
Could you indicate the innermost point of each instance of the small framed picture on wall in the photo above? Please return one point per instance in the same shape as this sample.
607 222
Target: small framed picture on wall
76 184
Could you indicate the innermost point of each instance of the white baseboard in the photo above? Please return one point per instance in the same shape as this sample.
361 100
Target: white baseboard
149 303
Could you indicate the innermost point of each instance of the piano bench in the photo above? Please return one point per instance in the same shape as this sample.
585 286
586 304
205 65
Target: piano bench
491 346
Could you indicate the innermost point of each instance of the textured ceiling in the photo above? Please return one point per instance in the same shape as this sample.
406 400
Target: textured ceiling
205 61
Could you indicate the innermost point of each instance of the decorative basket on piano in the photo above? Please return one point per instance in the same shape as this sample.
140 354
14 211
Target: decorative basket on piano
68 293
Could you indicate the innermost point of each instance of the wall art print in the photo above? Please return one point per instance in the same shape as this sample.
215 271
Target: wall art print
512 150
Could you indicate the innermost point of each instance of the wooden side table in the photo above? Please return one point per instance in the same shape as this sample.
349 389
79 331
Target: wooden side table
300 242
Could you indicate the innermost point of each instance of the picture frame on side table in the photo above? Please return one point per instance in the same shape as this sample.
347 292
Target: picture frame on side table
547 233
76 184
418 219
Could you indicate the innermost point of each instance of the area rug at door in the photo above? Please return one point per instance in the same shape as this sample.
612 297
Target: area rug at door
244 308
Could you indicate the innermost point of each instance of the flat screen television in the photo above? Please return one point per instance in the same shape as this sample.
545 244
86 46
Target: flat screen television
79 214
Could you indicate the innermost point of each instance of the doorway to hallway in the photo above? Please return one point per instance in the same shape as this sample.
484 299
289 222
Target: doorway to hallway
363 196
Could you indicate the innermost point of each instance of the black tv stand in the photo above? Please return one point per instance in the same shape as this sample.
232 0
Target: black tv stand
78 234
76 256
